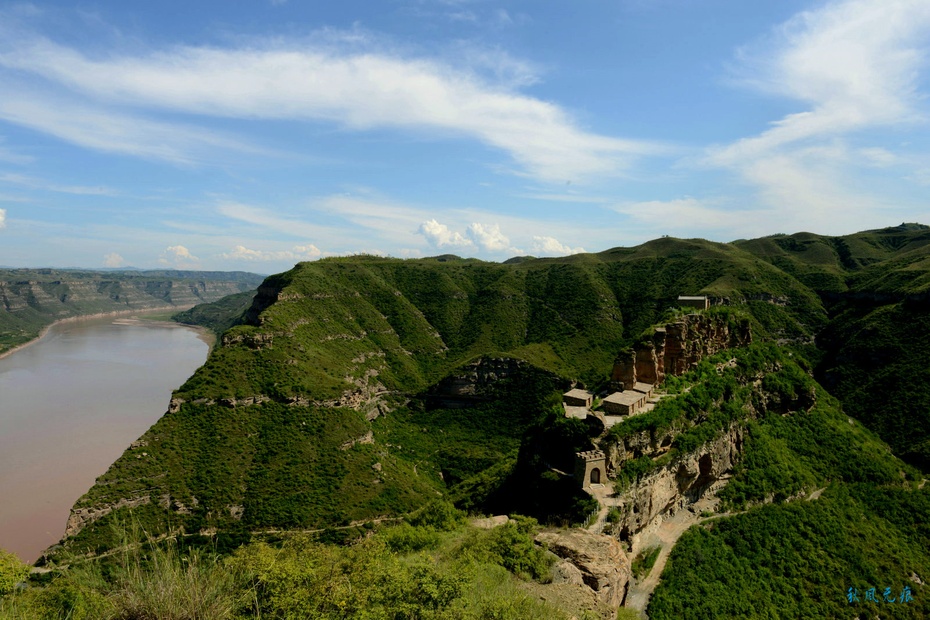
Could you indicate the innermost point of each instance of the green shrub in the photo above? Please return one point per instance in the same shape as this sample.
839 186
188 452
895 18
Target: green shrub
12 572
644 562
510 546
439 515
405 538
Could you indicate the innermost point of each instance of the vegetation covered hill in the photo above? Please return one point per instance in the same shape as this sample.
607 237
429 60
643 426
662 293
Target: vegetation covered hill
874 286
284 424
32 299
359 388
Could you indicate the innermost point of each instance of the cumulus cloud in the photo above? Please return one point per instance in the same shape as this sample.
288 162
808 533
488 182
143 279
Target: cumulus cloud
553 247
297 253
178 256
113 260
300 80
440 236
2 218
488 237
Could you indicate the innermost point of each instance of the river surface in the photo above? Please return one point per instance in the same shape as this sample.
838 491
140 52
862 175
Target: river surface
70 404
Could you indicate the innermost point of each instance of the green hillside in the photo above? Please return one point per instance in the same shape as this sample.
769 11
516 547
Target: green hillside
352 389
256 436
874 286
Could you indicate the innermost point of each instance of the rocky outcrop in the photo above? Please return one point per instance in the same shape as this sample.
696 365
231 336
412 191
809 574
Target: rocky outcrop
475 382
81 517
678 484
599 561
677 347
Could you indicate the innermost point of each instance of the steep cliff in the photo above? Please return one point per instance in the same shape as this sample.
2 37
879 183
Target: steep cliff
678 346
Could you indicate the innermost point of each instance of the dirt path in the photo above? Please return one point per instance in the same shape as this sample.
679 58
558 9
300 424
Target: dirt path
665 536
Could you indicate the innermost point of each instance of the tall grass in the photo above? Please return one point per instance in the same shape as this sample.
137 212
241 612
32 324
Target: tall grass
149 580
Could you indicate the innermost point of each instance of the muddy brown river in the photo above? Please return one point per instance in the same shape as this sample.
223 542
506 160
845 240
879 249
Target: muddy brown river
70 403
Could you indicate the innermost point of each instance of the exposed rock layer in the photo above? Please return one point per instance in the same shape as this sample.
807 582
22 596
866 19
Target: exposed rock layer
678 347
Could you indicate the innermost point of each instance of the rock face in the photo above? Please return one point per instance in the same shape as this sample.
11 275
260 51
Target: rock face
474 382
80 517
599 561
678 347
679 484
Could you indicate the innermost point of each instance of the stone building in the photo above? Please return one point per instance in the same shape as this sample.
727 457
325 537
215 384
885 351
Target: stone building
590 468
577 398
699 302
645 388
627 402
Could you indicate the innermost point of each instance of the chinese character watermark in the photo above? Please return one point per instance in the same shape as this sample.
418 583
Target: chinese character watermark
872 595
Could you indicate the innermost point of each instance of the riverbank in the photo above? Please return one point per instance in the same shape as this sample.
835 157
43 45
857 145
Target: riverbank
208 337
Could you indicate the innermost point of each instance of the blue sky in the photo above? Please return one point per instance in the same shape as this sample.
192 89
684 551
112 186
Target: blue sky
251 135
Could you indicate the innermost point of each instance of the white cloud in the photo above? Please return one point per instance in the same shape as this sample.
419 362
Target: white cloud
113 260
879 157
290 226
855 66
488 237
12 157
297 253
854 63
359 90
110 130
2 218
439 236
179 257
565 198
551 246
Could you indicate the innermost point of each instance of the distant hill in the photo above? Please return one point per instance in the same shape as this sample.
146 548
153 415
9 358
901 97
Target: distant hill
31 299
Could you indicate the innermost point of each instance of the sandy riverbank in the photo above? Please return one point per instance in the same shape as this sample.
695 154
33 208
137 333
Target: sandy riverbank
203 333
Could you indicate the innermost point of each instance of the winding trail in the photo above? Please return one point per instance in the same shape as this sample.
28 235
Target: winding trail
665 536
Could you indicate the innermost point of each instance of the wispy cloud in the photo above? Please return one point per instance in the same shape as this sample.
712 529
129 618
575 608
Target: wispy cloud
13 157
855 66
293 227
34 183
110 130
356 89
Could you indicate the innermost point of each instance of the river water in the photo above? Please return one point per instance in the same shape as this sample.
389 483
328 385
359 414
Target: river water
70 404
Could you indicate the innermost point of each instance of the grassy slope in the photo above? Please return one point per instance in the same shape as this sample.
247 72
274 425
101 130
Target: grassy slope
792 557
220 315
